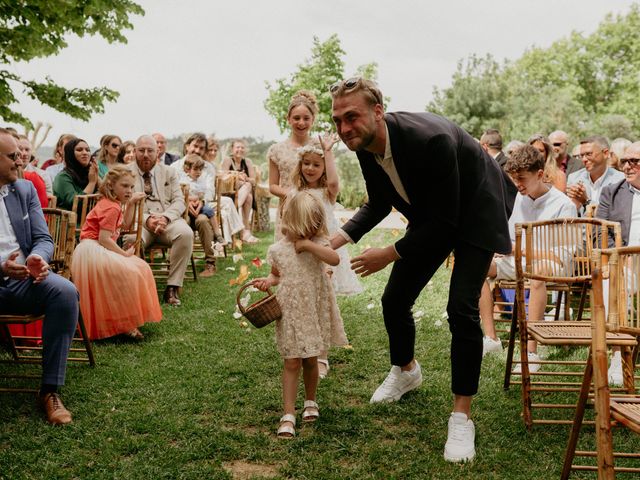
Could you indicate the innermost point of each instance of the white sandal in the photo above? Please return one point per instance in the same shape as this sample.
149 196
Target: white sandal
324 362
287 431
311 412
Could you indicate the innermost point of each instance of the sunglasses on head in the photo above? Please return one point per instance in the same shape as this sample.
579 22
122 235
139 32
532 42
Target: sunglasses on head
633 162
351 84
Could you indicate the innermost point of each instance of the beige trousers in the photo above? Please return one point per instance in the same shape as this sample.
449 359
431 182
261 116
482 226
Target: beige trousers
179 237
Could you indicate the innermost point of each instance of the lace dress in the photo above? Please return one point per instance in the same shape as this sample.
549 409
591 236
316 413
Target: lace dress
284 156
311 321
345 281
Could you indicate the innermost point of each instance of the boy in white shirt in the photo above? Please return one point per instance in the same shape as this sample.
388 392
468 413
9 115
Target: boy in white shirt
535 201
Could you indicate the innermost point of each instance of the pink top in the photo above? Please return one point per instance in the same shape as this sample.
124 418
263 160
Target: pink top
106 215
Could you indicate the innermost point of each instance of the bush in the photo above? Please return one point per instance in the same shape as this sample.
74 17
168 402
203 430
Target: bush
353 192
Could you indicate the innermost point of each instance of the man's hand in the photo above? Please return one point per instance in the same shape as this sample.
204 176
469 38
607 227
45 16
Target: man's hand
578 194
157 224
373 260
37 267
14 270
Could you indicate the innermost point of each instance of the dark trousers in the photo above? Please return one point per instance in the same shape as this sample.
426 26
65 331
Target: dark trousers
56 298
408 278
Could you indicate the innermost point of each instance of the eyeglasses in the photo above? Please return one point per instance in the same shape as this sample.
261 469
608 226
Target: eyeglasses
633 162
12 156
116 145
586 155
558 144
352 84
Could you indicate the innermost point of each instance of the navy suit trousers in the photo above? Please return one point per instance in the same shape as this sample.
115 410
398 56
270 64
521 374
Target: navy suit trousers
56 298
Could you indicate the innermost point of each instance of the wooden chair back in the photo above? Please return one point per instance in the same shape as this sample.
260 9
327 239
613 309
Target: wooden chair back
135 229
62 228
185 191
82 205
227 184
590 211
52 201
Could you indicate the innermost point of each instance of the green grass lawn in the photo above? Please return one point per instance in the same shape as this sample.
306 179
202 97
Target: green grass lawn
199 398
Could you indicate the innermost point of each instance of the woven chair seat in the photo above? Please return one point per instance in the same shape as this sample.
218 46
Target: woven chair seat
576 333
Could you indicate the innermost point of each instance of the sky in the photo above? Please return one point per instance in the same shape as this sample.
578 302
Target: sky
200 65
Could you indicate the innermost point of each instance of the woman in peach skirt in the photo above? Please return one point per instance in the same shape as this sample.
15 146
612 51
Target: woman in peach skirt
117 290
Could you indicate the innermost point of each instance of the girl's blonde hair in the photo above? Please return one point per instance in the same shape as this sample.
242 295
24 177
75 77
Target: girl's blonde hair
303 216
112 177
297 178
306 98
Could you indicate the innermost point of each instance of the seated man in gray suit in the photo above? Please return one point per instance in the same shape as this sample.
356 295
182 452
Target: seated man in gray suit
26 285
163 210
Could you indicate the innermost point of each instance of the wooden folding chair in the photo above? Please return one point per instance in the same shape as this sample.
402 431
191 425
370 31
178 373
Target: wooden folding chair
160 266
134 232
619 327
558 253
62 228
82 205
227 186
52 201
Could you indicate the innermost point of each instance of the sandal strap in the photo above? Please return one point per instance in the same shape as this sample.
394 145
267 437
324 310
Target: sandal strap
288 418
310 404
323 361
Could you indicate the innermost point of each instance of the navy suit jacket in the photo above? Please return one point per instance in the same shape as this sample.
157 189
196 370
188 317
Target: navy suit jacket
616 202
27 220
169 158
449 179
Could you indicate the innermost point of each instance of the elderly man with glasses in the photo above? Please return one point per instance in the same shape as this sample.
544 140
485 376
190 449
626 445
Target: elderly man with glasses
26 285
163 210
455 197
585 185
560 142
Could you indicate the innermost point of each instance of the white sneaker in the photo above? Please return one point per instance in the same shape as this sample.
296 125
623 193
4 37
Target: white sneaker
489 345
397 384
615 372
460 446
533 367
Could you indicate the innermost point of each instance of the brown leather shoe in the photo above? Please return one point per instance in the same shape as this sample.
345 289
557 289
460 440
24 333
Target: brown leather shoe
171 296
54 409
209 270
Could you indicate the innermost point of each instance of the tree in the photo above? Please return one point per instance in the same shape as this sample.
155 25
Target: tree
317 73
32 29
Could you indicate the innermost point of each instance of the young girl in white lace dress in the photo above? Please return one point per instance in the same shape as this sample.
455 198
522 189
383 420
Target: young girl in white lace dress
316 172
311 321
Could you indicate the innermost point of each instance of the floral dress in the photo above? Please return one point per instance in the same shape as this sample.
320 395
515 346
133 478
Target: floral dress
311 320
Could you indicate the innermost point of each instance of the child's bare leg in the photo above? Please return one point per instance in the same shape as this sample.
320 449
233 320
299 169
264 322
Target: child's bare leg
290 376
537 305
310 377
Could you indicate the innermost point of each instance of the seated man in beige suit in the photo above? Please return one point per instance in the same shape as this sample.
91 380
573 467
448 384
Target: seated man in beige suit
163 211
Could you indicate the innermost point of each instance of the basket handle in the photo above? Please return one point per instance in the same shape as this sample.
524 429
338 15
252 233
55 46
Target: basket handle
242 289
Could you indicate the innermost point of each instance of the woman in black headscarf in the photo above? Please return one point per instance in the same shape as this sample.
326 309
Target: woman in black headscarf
80 175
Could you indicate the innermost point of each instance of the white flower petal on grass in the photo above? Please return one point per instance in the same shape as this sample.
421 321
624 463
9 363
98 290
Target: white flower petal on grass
251 289
418 314
237 315
244 324
237 257
438 323
370 306
220 311
231 269
244 301
444 314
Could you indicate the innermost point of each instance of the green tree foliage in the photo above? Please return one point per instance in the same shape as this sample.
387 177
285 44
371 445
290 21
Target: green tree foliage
32 29
317 73
580 84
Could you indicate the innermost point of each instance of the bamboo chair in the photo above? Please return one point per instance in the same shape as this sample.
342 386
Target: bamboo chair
82 205
53 201
134 232
160 266
62 228
558 253
226 185
620 327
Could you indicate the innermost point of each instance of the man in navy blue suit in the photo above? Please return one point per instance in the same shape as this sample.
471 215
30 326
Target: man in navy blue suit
455 197
26 284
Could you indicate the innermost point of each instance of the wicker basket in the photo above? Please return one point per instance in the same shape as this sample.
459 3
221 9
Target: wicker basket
262 312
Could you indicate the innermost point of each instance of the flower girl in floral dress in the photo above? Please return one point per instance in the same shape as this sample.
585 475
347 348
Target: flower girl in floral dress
311 320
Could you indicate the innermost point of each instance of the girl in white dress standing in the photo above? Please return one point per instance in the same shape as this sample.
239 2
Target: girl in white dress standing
311 320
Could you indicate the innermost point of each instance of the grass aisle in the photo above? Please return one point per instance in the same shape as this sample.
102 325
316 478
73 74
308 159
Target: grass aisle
200 397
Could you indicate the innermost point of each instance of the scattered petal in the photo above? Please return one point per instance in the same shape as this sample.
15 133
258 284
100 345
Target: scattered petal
244 324
251 289
244 274
244 301
113 409
220 311
237 257
348 347
430 283
237 315
233 281
257 262
444 315
238 244
370 306
418 314
438 323
395 232
231 269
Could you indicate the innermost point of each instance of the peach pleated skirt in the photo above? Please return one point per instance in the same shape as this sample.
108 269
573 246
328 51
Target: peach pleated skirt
117 293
